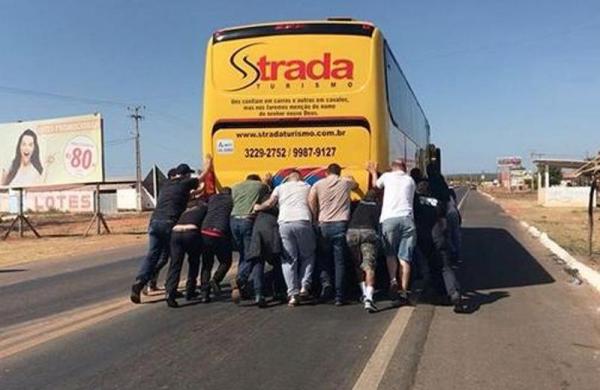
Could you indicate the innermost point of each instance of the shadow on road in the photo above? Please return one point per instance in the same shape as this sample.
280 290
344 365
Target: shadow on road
494 260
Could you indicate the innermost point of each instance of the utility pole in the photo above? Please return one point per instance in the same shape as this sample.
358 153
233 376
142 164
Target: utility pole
137 117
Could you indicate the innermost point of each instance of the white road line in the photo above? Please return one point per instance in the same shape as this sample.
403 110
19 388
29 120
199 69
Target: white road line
462 201
23 336
375 368
373 372
20 337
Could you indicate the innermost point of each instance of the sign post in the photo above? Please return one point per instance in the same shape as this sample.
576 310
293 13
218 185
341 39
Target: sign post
21 219
98 215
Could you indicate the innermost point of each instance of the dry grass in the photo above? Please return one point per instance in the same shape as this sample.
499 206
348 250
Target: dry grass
567 226
62 236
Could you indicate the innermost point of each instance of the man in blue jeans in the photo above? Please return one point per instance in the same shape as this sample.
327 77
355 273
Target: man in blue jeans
164 257
329 200
245 195
297 234
171 203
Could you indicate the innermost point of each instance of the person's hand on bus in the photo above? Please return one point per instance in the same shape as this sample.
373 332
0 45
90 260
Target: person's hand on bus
208 162
268 178
372 167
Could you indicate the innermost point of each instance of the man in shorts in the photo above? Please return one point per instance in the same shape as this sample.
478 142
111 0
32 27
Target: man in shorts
362 239
397 224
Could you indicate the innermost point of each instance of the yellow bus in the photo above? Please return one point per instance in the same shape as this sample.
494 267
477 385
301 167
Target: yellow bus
305 94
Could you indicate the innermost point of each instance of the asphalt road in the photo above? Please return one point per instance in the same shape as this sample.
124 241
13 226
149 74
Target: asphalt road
33 291
528 327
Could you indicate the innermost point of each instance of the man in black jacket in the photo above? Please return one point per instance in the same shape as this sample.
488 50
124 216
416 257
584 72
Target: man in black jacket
216 238
171 203
164 257
438 189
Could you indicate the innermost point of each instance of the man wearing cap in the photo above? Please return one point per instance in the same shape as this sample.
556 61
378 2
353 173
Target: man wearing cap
397 224
171 203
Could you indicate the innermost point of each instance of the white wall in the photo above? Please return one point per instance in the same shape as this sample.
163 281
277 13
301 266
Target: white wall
127 199
565 197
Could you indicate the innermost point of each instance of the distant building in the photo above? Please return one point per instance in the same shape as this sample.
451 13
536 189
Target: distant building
511 173
571 192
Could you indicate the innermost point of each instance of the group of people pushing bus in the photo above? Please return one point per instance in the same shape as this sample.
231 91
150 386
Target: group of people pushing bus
310 235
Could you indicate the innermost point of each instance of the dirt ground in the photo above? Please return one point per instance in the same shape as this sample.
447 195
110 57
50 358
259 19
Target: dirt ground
62 235
567 226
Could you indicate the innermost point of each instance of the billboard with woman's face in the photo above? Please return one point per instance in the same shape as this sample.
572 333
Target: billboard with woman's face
51 152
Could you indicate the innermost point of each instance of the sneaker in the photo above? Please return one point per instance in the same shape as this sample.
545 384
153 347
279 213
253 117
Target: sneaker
338 302
215 287
236 296
136 289
457 302
171 302
191 295
370 306
294 301
281 297
261 302
178 294
304 293
326 293
403 297
205 296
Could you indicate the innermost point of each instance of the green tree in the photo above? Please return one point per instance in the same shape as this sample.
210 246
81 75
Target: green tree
555 175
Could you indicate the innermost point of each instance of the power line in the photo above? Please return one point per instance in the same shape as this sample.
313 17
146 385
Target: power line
118 141
188 126
29 92
86 100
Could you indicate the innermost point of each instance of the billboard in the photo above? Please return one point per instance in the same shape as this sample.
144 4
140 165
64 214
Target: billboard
512 161
51 152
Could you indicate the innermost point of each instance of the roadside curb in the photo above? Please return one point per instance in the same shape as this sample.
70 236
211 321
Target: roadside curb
579 271
490 197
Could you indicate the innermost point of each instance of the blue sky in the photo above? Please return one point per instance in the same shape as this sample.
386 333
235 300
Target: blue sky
495 78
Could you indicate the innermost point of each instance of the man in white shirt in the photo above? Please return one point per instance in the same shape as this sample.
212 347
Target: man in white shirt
397 223
297 235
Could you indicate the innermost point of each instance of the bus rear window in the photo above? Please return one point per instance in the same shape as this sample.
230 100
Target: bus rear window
293 29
